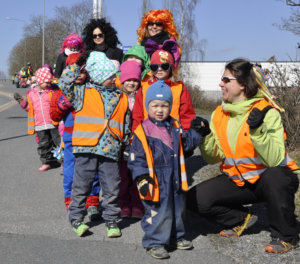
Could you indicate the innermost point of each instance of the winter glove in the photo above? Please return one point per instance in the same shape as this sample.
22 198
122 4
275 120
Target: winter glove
83 57
201 126
256 117
143 183
18 97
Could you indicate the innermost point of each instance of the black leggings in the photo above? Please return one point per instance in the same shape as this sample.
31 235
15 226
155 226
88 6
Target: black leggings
222 200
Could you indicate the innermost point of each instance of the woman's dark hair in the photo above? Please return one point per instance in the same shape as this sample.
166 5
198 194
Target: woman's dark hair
242 70
110 34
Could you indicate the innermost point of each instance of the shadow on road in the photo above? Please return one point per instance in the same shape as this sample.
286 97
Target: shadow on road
4 139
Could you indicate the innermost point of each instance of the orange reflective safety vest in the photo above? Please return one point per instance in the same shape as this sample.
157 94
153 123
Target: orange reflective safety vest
30 120
244 164
153 194
176 92
90 122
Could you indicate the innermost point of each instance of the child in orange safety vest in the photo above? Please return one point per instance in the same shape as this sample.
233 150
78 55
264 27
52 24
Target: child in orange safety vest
156 160
101 123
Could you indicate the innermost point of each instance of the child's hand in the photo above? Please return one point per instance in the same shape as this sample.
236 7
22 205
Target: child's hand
18 97
143 184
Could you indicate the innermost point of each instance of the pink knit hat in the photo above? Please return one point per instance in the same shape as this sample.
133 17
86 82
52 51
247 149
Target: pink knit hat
130 70
43 75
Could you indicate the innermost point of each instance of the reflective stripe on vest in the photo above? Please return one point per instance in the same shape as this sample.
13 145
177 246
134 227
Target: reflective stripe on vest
176 92
153 193
90 122
244 163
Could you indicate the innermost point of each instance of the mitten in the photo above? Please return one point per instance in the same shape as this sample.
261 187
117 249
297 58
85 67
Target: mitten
200 125
143 183
256 117
18 97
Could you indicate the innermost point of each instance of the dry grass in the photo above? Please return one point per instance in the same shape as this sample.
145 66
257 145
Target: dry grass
295 155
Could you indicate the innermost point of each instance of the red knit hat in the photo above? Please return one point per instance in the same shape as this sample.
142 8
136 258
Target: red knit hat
43 75
162 56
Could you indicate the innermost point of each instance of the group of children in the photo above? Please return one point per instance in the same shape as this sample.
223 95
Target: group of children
139 164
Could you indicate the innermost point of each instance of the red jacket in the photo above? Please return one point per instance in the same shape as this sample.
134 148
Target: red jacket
186 111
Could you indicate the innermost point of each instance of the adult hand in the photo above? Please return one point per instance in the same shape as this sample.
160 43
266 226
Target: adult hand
256 117
143 184
201 126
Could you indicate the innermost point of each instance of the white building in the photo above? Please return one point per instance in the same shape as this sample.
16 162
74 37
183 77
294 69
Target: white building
207 75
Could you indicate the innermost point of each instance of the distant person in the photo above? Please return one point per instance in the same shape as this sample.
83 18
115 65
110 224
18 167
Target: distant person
100 125
246 134
99 35
72 44
156 160
37 105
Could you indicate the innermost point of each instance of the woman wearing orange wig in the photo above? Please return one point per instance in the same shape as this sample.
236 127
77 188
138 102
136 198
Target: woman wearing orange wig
157 25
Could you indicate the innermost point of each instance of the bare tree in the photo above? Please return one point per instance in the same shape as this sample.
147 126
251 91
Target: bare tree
184 16
66 20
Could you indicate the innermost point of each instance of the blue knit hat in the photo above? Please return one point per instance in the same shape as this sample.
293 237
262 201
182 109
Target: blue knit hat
159 91
99 67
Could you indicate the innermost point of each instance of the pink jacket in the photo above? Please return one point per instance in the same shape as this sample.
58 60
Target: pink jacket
40 102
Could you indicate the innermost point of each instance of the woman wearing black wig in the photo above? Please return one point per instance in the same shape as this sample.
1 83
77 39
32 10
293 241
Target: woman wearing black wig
99 35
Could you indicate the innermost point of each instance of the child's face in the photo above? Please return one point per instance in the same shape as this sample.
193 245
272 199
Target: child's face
159 109
44 86
81 78
161 74
134 58
131 85
110 82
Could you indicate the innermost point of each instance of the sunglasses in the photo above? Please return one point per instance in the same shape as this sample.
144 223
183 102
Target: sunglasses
164 66
101 35
158 24
226 79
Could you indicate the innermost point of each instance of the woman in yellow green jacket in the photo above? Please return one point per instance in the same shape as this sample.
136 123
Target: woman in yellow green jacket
247 137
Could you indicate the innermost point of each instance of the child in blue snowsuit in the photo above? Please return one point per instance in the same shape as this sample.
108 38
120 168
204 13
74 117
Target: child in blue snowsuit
157 163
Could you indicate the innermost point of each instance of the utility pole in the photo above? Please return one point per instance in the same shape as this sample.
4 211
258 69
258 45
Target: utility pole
97 9
25 50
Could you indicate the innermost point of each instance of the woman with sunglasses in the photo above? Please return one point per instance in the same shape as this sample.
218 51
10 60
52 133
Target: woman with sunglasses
247 137
162 65
157 25
99 35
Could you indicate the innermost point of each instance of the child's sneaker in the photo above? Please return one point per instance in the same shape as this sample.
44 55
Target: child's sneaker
93 213
280 246
79 227
137 213
125 212
112 229
45 167
158 253
184 244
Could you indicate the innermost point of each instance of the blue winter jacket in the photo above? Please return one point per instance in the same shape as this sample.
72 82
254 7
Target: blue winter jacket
163 139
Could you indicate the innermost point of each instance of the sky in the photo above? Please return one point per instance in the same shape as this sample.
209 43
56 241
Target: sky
230 28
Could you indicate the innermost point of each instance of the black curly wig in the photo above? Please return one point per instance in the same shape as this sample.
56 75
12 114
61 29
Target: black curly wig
111 38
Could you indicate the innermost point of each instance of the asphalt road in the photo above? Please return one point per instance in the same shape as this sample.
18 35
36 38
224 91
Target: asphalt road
34 226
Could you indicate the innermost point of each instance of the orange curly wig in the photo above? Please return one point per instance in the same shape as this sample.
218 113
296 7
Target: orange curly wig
165 16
